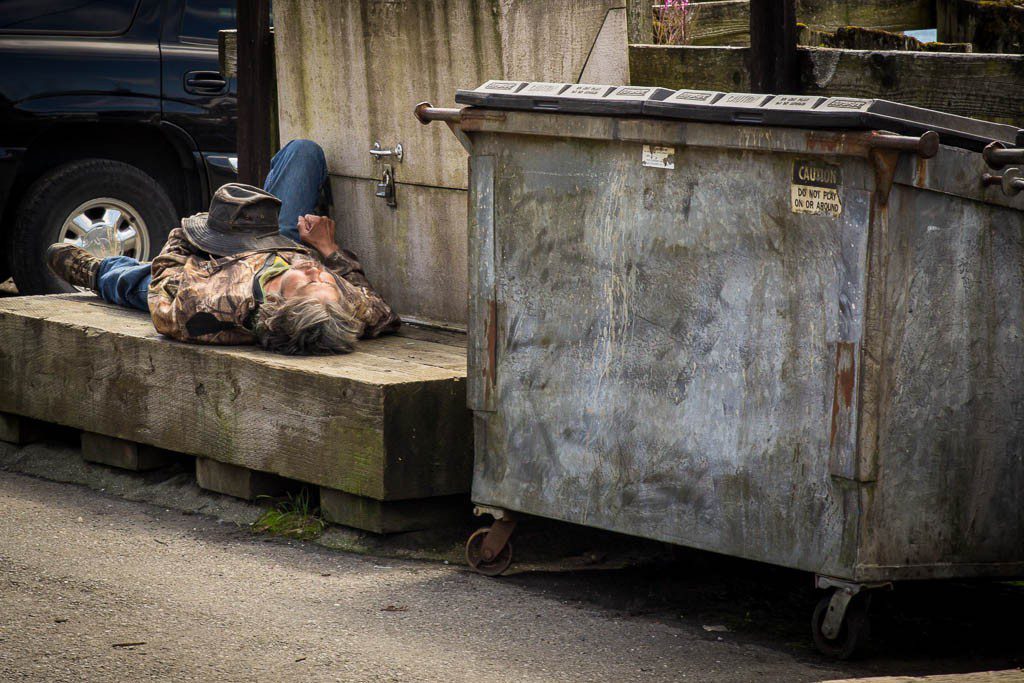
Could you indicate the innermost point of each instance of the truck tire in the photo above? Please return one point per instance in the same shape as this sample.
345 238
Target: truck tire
107 207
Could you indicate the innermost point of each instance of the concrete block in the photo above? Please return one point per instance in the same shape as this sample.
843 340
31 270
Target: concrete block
128 455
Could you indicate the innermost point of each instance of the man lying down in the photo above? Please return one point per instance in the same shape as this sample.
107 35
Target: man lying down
240 274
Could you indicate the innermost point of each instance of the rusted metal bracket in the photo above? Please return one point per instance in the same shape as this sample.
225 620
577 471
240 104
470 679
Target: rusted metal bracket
497 513
885 149
1011 181
497 537
845 591
426 113
925 146
884 162
998 155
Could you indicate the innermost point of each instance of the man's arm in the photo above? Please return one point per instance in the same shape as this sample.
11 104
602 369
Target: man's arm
318 233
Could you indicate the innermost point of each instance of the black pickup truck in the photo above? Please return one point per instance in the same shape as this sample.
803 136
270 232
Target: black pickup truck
114 123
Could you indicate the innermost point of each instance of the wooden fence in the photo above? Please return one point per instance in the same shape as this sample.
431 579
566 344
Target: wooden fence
727 22
986 86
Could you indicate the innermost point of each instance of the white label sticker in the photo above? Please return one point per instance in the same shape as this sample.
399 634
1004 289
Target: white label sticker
815 188
695 96
846 104
742 99
801 102
659 157
628 92
544 88
501 86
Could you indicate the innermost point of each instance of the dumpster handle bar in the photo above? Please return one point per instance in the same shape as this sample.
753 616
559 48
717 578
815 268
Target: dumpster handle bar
997 155
426 112
925 146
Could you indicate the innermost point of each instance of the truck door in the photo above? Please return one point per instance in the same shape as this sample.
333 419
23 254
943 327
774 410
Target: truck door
196 96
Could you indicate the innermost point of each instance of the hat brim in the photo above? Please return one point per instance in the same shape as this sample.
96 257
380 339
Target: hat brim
228 244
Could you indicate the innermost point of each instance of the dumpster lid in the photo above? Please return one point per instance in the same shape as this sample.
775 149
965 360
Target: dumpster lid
576 98
805 111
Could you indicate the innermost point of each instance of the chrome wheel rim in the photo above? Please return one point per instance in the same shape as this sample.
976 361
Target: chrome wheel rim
107 227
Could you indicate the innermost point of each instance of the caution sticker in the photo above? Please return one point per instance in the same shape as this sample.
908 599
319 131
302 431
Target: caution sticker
815 188
656 156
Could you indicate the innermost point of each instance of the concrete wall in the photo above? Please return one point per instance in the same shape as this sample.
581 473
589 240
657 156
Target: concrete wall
350 72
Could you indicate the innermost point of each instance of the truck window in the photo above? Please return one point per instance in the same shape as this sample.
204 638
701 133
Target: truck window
203 18
104 17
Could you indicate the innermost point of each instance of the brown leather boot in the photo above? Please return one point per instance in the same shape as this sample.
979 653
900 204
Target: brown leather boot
73 265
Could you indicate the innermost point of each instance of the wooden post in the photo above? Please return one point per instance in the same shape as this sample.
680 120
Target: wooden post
255 87
773 61
640 21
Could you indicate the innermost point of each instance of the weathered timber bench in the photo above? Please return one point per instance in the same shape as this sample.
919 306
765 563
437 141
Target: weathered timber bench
384 431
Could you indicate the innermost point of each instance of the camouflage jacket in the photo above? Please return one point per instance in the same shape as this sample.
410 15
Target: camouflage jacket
200 298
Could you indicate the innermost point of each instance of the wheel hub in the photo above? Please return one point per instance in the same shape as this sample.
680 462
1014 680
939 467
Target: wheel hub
107 227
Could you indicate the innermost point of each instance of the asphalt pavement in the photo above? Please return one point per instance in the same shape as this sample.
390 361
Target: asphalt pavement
94 587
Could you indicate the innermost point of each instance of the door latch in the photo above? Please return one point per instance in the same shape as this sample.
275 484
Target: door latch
386 185
378 152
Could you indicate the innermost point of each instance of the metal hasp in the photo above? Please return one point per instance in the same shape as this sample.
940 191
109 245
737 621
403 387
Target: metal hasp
386 185
1011 181
378 152
820 370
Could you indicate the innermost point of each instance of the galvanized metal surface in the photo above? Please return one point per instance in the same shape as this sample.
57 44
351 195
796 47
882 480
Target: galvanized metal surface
677 353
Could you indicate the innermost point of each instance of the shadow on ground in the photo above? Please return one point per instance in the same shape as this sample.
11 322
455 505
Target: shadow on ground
919 628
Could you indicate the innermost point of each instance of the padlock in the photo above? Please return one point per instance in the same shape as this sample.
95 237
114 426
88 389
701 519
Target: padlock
386 186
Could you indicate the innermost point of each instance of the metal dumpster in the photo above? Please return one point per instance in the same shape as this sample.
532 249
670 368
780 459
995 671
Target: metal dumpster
797 345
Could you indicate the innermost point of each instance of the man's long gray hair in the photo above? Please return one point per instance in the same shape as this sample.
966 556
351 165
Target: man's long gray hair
305 326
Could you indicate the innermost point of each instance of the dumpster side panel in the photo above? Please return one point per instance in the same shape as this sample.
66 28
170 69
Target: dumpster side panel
950 412
669 342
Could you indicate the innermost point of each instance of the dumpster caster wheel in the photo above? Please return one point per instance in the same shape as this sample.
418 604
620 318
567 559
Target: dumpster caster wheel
848 638
482 557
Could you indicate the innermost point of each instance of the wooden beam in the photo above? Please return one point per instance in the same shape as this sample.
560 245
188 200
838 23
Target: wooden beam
227 52
988 26
255 89
388 421
640 21
727 22
983 86
773 62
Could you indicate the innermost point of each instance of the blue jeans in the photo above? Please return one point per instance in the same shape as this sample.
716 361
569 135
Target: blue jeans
297 174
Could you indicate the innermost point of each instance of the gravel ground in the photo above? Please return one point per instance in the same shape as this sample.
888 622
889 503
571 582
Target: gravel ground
94 587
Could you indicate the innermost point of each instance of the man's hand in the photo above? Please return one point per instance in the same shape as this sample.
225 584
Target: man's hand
318 232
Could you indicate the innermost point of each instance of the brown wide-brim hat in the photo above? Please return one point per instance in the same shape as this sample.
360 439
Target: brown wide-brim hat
241 218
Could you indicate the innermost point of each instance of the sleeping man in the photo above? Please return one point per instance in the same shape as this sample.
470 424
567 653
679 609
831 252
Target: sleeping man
254 269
